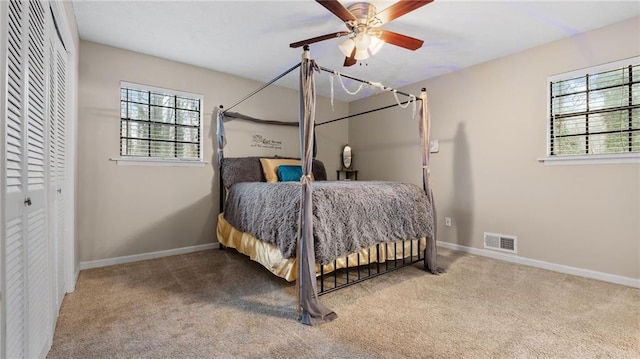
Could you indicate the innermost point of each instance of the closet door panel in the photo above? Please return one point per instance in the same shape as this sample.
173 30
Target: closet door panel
37 246
57 162
61 167
15 189
29 194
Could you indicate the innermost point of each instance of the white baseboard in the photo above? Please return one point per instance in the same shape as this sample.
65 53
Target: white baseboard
144 256
606 277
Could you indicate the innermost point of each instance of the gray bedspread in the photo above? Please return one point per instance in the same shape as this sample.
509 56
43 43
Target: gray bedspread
348 215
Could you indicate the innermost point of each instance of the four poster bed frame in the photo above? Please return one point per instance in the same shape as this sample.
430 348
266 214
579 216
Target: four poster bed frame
356 266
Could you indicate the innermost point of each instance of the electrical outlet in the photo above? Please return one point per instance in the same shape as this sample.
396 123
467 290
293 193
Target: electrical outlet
447 221
434 146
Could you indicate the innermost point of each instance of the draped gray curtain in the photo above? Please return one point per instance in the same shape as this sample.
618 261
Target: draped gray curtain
430 252
220 135
311 310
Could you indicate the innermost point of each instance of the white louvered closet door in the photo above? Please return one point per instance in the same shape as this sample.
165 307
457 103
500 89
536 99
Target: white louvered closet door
27 279
57 160
38 258
15 188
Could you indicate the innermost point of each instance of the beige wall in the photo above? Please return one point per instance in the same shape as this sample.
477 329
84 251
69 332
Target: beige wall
126 210
490 120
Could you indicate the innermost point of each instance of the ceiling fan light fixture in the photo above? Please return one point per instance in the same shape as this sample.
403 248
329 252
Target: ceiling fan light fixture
376 45
347 46
361 54
362 40
364 44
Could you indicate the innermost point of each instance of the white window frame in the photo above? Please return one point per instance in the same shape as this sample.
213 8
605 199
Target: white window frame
633 157
163 161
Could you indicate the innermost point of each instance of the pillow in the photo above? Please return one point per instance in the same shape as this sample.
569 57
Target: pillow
287 173
241 169
318 172
249 169
270 167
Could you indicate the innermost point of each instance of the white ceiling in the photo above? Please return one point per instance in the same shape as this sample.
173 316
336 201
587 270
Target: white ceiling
251 38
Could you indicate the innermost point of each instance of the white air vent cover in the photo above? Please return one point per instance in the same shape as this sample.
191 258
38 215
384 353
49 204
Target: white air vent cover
501 242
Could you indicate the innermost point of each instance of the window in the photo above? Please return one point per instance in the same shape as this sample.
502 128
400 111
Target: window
159 124
596 111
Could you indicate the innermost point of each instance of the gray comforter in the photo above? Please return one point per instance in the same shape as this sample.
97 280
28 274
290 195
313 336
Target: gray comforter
348 215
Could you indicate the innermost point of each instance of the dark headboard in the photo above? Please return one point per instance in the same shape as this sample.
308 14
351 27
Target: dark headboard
249 169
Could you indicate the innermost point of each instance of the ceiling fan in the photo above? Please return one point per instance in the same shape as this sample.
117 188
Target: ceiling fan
364 24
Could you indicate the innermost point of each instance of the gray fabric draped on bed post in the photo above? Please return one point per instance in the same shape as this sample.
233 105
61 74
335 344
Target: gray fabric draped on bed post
311 310
430 253
221 140
220 135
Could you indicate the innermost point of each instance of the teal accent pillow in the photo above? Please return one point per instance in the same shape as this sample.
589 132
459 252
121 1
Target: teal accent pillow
289 173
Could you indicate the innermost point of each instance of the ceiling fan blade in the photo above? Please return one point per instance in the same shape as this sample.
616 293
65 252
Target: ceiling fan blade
351 60
319 38
338 9
405 41
400 8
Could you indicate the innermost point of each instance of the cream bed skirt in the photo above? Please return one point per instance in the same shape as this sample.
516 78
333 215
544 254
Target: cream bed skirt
271 258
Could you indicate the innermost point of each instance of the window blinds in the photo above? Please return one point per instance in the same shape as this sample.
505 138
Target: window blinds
596 113
159 125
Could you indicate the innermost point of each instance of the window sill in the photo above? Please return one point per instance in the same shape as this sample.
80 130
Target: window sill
163 162
591 159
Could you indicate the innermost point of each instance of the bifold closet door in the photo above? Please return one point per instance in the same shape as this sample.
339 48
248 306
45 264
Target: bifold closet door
27 254
15 188
57 93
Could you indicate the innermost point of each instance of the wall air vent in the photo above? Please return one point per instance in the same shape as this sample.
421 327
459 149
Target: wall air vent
501 242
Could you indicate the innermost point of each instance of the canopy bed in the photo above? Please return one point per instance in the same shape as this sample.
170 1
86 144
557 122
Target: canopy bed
283 213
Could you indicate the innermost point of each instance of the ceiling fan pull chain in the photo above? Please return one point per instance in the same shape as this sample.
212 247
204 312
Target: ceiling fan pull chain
345 88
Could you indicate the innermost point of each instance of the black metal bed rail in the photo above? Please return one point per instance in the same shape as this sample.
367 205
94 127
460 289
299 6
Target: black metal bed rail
344 277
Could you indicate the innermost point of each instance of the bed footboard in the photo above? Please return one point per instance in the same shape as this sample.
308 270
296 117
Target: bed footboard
371 264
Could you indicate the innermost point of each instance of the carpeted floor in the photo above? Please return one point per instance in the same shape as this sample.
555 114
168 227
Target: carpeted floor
219 304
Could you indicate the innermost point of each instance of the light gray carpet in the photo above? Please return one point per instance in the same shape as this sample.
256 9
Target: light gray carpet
219 304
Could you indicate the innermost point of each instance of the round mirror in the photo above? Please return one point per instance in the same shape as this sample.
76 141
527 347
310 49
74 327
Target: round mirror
346 156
